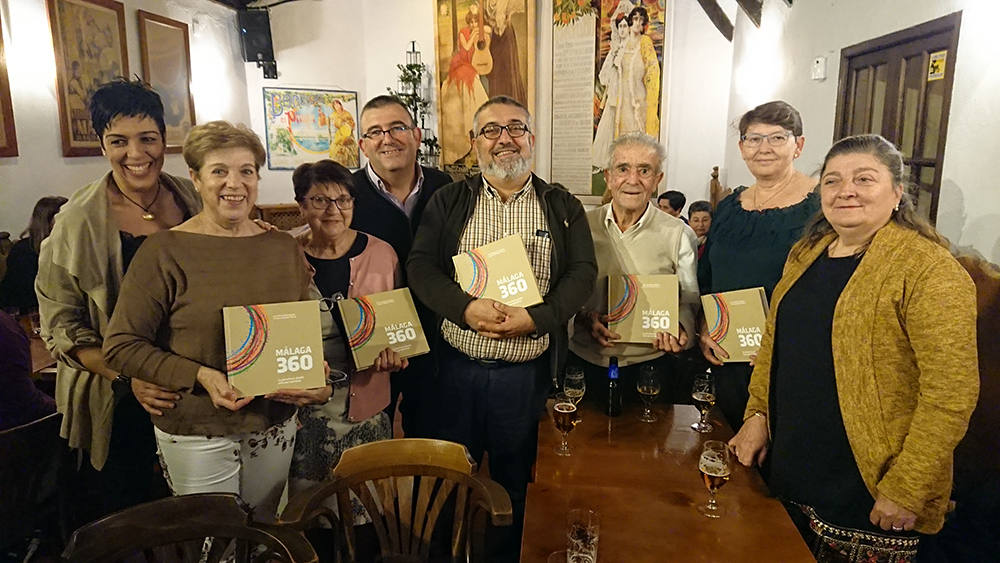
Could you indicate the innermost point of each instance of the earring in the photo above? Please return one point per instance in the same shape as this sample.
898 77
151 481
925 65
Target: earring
897 207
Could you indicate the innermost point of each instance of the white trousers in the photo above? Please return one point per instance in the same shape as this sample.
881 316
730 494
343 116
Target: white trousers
253 465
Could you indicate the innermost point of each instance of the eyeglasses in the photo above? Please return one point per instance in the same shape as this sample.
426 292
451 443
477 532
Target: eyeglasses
642 170
322 203
396 131
492 131
774 139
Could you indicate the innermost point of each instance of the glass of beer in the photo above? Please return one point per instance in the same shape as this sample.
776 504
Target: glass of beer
565 417
648 385
703 393
583 530
574 385
714 467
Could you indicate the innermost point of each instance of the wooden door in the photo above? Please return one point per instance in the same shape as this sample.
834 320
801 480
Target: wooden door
899 86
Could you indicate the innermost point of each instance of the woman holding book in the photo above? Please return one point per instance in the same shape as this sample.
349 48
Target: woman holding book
753 230
347 263
867 374
168 328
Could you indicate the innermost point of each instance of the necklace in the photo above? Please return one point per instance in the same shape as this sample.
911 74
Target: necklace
770 197
147 215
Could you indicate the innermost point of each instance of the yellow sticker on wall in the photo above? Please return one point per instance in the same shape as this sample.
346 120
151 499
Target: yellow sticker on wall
935 69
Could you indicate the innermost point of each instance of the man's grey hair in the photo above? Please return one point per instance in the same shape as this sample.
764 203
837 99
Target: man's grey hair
499 100
642 140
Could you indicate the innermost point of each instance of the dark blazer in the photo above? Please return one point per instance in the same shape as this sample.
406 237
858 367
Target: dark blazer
376 215
574 269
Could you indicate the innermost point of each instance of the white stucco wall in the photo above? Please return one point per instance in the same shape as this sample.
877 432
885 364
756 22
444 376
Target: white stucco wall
40 170
773 62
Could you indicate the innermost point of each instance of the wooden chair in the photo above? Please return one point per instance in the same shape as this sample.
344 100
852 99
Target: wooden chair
31 479
284 216
406 485
179 528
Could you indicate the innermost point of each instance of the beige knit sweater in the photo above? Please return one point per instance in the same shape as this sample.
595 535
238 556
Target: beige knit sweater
904 352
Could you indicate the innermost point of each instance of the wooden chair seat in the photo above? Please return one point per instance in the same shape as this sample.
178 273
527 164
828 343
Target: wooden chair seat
176 528
409 487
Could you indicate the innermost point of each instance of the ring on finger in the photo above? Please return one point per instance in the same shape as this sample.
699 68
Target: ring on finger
897 528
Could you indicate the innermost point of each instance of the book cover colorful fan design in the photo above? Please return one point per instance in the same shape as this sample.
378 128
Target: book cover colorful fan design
736 321
500 271
639 306
274 346
380 320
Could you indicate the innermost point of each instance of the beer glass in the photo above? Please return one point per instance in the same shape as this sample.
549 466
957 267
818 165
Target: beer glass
583 530
648 385
565 417
574 385
703 393
714 467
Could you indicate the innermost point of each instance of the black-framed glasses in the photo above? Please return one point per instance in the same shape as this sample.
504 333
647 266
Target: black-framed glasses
492 131
322 203
754 140
396 132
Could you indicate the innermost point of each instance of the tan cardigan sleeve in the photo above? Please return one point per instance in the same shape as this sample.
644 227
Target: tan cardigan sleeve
940 319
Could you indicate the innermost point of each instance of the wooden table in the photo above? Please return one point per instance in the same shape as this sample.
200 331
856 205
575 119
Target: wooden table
644 481
40 356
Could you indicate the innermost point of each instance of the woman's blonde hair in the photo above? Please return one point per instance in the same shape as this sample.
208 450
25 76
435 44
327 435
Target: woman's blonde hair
905 215
215 135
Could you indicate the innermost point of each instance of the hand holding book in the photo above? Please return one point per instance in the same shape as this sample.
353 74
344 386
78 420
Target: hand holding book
222 393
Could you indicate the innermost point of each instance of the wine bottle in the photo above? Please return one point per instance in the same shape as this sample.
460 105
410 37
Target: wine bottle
614 392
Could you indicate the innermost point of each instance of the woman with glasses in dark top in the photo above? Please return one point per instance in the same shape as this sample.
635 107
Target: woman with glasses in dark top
347 263
753 229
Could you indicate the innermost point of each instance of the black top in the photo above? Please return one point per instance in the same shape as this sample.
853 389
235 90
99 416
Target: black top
811 461
376 215
748 248
333 275
130 245
17 289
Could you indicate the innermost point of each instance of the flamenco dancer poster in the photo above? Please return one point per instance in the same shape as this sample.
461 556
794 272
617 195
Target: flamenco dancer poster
623 41
484 48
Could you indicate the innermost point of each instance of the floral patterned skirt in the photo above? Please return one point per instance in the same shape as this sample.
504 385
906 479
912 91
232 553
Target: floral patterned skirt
323 436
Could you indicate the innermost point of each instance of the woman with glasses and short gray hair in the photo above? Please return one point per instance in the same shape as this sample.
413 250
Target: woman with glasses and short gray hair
753 229
347 263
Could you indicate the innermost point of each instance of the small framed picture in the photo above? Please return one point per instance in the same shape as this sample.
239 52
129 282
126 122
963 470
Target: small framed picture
8 138
166 66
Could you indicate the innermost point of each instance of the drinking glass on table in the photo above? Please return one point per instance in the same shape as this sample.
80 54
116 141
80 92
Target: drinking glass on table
714 467
565 417
648 386
703 393
583 530
574 385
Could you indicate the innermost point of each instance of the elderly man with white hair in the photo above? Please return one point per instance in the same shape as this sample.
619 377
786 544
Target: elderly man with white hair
632 236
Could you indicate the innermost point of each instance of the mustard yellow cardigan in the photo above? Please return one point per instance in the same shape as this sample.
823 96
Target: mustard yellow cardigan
904 355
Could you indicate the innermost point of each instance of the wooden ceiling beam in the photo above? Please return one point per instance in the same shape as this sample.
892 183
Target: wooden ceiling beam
718 17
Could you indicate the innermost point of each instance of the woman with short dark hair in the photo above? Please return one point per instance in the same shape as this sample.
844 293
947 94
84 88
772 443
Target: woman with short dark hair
753 229
867 374
81 265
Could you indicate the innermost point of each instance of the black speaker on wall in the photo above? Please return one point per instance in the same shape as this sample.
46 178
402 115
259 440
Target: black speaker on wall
255 32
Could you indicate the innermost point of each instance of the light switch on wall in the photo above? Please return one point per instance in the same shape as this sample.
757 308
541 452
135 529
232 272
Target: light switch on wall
819 68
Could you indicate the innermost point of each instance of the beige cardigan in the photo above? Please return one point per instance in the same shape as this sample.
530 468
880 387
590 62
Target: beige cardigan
904 354
79 276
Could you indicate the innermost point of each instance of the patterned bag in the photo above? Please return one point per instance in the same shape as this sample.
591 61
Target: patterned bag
847 545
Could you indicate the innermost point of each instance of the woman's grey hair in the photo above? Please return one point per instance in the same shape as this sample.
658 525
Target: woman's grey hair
642 140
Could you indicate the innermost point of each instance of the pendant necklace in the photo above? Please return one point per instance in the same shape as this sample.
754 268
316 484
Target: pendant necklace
147 215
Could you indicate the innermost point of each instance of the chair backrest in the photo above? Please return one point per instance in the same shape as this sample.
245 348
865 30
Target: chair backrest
30 457
408 487
977 457
284 216
177 528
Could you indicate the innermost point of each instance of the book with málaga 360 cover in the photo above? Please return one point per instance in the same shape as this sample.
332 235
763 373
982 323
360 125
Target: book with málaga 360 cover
736 321
639 306
274 346
500 271
380 320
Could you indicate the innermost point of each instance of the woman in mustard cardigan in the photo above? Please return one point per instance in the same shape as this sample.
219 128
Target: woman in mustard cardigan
867 374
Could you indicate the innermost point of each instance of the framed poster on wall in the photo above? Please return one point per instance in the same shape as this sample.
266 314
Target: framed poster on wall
166 66
89 41
306 125
8 137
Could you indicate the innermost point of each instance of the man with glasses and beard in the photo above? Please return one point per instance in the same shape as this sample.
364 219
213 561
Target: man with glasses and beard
497 363
392 191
